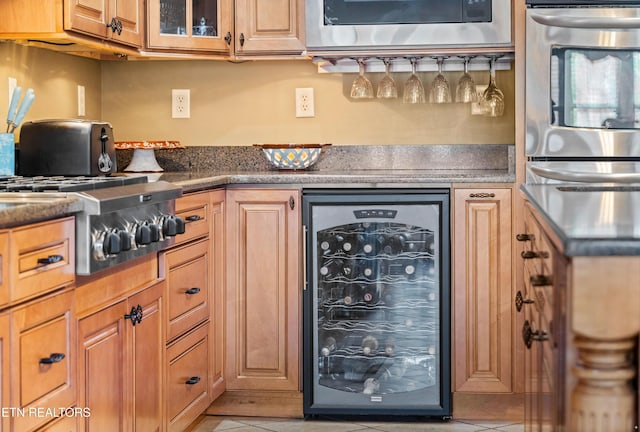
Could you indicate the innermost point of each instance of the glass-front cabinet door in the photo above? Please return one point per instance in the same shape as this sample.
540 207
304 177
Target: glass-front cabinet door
193 25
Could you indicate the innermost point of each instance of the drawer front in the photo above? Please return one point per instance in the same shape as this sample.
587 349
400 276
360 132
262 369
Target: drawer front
66 424
194 209
187 287
187 378
42 257
4 268
44 357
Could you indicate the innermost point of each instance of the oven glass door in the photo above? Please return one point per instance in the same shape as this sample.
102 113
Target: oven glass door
595 88
375 12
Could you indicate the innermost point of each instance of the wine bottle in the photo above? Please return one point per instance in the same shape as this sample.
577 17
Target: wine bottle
328 346
331 244
389 347
351 294
332 268
369 345
369 294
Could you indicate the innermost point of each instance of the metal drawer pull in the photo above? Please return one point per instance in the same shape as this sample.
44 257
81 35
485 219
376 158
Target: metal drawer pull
194 290
193 218
529 335
540 280
193 380
227 38
521 301
524 237
482 195
532 254
53 358
51 259
135 315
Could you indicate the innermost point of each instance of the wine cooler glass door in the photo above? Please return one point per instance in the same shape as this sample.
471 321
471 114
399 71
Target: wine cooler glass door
376 297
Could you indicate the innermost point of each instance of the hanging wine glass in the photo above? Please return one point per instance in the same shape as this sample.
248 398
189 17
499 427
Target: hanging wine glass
387 86
440 92
361 87
413 89
466 88
492 100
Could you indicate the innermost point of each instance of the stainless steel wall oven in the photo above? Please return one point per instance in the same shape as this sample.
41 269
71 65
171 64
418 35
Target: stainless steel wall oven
377 303
583 91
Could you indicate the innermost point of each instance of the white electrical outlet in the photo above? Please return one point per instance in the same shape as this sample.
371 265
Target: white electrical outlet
304 102
13 83
81 101
180 103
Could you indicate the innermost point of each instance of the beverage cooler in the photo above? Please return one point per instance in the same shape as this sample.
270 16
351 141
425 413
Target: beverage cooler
377 303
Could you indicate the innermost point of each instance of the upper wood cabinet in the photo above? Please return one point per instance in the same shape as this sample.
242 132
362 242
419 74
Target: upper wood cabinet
119 20
482 299
227 28
84 27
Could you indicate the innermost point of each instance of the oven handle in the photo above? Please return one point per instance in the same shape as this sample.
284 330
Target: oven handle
603 23
557 174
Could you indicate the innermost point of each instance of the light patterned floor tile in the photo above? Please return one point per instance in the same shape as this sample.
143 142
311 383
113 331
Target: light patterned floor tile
512 428
282 425
424 427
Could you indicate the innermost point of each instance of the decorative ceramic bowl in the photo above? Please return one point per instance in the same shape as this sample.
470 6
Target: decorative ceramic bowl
292 156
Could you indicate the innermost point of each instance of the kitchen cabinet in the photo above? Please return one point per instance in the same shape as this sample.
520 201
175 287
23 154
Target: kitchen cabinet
121 348
41 258
194 291
42 358
580 333
227 28
5 370
263 245
84 27
482 322
121 21
483 326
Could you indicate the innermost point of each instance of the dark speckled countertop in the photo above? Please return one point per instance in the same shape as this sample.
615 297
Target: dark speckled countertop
391 166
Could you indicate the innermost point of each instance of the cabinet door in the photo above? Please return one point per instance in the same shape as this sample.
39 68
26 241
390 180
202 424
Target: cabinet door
218 347
96 17
190 25
5 371
4 269
103 371
269 27
147 342
482 321
43 358
263 289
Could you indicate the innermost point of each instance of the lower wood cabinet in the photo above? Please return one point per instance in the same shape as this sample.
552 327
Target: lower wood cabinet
5 370
42 359
121 367
482 311
263 229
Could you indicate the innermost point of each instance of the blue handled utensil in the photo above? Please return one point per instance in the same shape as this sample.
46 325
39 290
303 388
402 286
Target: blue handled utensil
27 100
13 106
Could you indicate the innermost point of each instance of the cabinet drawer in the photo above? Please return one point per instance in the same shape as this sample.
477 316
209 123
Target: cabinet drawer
188 377
4 268
44 357
30 249
64 424
187 287
194 209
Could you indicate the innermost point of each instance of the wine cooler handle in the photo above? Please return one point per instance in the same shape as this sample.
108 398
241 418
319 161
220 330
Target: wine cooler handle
304 257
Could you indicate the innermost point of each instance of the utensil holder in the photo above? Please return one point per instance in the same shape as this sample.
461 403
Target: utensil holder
7 154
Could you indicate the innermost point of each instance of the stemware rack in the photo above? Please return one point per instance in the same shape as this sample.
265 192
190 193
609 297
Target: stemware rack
424 62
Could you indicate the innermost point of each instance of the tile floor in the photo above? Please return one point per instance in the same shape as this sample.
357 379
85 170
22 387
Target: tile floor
258 424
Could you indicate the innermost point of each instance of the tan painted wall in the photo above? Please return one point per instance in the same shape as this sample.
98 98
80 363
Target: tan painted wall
241 103
54 78
253 102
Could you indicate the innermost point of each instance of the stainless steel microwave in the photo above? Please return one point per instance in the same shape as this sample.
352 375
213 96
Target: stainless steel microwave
375 24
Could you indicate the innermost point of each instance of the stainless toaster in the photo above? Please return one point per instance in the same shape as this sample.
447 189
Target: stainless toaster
66 148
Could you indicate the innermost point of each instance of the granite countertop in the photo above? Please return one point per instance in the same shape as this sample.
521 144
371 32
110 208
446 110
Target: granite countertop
15 214
21 212
197 180
590 219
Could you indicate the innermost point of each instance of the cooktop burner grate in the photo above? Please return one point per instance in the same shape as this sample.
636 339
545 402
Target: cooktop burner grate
65 183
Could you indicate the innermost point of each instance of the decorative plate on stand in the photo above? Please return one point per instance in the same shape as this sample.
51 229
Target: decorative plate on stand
144 158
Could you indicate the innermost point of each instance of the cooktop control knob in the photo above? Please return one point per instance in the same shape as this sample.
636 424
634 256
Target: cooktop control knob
169 226
155 232
112 243
125 240
180 225
143 235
